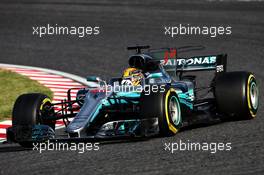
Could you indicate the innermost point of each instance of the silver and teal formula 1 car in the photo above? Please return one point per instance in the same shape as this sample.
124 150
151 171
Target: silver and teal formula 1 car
162 103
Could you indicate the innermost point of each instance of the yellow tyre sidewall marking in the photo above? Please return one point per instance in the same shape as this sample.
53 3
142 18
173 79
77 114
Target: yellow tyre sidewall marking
43 102
170 125
248 95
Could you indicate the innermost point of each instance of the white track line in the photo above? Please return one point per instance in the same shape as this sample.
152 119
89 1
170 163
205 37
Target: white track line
59 83
50 79
2 131
64 89
6 122
41 75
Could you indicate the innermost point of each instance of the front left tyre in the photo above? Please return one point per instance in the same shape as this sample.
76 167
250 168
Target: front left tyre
170 114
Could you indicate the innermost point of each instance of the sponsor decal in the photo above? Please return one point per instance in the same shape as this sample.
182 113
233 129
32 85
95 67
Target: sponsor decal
203 60
220 68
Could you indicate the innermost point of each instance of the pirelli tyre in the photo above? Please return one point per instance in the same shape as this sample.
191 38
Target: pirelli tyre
237 95
28 111
165 106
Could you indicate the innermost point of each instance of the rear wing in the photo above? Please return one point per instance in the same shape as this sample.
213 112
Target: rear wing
173 65
197 63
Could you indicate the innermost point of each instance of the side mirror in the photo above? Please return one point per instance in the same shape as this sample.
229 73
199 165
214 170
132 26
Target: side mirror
94 79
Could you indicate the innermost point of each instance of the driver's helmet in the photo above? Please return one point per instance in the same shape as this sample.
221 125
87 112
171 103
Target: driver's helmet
132 76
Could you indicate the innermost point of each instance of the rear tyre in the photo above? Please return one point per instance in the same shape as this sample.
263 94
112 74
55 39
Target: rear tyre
166 107
237 95
29 110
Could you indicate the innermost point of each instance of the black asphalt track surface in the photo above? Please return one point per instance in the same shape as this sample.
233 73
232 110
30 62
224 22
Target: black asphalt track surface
124 23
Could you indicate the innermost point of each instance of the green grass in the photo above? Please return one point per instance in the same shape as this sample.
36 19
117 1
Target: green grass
11 86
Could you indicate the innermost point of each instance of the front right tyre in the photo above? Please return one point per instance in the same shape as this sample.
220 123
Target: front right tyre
29 110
